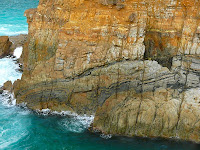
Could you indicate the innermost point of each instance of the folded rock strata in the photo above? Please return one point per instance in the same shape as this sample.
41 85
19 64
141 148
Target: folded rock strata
135 64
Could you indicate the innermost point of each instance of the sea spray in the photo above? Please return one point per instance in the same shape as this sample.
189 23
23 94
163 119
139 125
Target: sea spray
73 122
8 99
18 52
8 70
9 67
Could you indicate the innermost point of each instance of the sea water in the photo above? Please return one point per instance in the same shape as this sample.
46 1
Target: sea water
21 128
12 20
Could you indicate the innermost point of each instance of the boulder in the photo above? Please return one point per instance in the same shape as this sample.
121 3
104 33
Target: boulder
8 86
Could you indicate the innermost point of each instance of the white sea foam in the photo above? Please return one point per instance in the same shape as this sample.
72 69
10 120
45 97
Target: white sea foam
7 32
76 123
63 113
8 99
44 112
2 29
106 136
10 30
18 52
8 70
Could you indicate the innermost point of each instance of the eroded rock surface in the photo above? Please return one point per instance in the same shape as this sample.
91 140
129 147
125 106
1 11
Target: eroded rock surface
8 86
134 63
18 41
4 46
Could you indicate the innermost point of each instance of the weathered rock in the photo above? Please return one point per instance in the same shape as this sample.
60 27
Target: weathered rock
4 46
1 90
8 86
18 41
135 64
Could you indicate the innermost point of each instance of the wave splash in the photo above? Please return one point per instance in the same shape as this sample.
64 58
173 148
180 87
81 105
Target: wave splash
9 67
73 122
7 99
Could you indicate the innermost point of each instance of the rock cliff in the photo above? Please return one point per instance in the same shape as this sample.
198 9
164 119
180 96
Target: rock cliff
135 64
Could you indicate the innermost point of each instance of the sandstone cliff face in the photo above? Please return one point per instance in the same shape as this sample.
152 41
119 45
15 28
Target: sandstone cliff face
134 63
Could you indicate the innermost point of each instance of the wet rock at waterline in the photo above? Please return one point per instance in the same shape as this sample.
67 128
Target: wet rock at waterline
8 86
1 90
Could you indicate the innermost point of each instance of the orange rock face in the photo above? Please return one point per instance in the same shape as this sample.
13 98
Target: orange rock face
132 63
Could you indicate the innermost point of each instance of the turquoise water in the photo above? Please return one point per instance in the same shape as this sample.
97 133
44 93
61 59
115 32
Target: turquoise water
12 20
22 129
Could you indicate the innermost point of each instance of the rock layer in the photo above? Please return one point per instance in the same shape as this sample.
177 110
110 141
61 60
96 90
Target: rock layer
134 63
